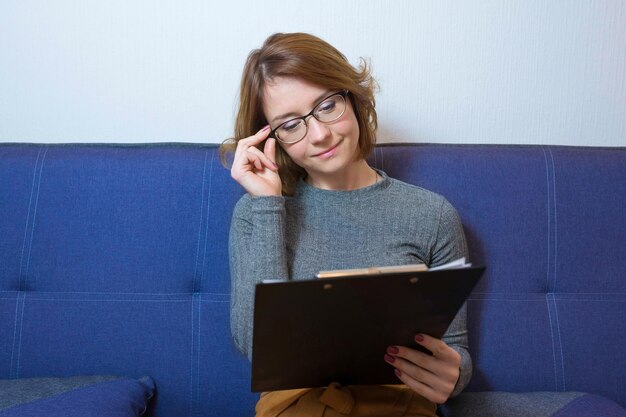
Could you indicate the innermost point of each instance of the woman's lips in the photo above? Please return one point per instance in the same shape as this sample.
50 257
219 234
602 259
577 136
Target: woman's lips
328 153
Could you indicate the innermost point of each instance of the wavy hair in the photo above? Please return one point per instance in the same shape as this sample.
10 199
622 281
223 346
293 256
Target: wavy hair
309 58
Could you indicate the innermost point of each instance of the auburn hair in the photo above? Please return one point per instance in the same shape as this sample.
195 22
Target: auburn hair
308 58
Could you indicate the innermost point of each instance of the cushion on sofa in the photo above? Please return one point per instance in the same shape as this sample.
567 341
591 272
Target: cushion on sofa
79 396
530 404
588 404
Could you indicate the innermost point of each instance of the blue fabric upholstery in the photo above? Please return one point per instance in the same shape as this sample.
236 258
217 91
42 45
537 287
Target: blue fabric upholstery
531 404
591 405
81 396
113 260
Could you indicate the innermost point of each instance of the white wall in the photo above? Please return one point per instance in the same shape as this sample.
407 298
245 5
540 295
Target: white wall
476 71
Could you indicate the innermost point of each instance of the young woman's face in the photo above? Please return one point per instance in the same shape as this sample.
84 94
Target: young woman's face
328 149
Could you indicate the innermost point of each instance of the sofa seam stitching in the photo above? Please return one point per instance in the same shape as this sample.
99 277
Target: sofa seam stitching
32 229
208 212
548 211
21 286
30 203
555 264
558 328
191 367
555 219
569 405
17 338
17 306
553 344
19 345
197 381
195 272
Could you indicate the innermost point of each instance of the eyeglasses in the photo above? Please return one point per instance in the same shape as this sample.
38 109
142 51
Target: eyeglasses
326 111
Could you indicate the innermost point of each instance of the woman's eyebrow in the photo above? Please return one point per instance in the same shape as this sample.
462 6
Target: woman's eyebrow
292 114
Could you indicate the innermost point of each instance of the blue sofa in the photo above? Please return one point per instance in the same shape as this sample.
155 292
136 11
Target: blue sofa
113 261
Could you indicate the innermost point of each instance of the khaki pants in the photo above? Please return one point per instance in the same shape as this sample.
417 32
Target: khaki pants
352 401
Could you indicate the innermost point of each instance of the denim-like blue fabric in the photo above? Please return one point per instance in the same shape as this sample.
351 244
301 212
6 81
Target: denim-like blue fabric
591 405
549 223
535 404
113 260
111 398
20 391
506 404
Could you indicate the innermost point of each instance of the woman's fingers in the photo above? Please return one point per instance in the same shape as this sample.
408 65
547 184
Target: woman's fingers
421 388
247 155
269 163
439 348
270 151
431 376
253 140
410 369
444 362
256 170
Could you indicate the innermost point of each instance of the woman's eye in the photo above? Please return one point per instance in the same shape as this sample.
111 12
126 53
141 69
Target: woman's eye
290 126
327 106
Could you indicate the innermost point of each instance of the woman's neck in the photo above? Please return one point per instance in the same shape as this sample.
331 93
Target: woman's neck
354 176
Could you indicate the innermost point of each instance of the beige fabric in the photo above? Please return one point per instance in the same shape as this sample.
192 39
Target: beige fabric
352 401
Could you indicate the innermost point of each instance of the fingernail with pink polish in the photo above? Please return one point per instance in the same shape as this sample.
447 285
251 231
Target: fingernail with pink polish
393 350
390 359
419 338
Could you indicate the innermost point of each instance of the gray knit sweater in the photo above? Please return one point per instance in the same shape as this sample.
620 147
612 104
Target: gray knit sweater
388 223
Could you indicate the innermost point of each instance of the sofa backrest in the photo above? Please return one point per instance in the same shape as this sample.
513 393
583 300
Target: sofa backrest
550 225
113 260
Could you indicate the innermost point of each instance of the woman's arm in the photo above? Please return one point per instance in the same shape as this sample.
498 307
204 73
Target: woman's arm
450 244
447 372
256 252
257 240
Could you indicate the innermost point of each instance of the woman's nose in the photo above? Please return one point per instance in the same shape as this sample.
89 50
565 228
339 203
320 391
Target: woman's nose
317 131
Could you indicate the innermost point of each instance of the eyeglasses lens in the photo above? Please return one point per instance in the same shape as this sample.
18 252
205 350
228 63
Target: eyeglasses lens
327 111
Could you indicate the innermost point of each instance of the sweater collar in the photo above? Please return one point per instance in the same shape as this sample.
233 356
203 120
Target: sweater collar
308 191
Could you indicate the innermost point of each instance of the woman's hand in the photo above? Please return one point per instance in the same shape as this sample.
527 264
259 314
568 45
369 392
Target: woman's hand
254 170
433 377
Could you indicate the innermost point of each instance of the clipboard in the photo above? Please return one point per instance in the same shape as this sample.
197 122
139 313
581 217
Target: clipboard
311 333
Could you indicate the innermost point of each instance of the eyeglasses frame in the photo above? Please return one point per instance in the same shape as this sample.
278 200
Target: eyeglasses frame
343 94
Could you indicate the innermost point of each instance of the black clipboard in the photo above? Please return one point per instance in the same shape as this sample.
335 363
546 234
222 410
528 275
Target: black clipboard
311 333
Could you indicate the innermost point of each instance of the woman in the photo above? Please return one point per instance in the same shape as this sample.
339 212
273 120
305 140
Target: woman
305 125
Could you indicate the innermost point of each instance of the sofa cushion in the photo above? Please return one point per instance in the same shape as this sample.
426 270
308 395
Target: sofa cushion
588 404
80 396
530 404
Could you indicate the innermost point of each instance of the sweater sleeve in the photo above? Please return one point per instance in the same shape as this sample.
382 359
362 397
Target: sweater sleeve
256 252
449 245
